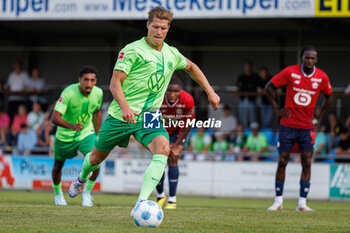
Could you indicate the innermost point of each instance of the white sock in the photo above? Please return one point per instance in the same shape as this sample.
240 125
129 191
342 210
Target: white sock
172 199
279 199
302 201
161 195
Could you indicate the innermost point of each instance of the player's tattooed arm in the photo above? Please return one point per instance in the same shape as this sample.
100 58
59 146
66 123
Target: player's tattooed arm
116 89
270 91
96 119
197 75
57 119
324 107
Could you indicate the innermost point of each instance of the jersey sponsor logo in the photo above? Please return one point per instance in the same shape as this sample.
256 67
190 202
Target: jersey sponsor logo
304 91
156 82
315 85
296 76
121 56
148 61
170 65
83 118
316 80
303 99
60 99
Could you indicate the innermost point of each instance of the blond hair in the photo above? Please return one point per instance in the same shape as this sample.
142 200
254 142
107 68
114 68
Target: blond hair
160 13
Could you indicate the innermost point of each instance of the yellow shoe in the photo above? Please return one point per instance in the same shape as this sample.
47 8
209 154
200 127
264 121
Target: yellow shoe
171 206
161 201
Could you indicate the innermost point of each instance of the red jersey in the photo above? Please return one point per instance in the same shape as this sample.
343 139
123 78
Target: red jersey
181 110
302 93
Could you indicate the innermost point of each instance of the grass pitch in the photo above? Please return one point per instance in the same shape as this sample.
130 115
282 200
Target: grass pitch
36 212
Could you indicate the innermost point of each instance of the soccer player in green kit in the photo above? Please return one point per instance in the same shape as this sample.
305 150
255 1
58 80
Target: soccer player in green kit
140 78
78 117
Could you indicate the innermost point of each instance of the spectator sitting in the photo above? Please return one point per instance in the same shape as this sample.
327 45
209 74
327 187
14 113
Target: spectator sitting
4 125
200 143
256 143
17 82
36 83
47 134
344 144
228 123
220 146
239 139
19 119
27 140
320 146
333 130
35 117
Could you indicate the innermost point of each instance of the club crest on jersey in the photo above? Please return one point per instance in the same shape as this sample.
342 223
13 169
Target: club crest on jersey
156 82
315 85
179 111
297 82
170 65
121 56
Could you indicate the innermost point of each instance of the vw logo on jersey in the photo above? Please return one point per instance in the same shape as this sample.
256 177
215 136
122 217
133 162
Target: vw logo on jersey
302 99
156 82
82 118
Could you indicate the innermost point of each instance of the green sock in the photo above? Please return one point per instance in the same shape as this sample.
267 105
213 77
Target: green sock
57 188
152 176
87 167
89 185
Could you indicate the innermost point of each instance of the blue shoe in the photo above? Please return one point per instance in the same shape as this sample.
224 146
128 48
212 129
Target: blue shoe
76 187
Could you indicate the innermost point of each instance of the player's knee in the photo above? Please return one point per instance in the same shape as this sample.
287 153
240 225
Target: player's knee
95 160
306 163
282 162
163 150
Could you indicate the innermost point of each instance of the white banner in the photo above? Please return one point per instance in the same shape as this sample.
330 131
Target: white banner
218 179
137 9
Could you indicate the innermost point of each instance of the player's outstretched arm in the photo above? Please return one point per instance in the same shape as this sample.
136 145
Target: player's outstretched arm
197 75
118 94
270 90
57 119
96 119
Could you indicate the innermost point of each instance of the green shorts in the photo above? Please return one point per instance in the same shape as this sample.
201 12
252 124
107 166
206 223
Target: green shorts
115 132
67 150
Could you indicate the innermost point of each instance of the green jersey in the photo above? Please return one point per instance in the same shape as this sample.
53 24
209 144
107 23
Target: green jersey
256 144
148 74
76 108
200 141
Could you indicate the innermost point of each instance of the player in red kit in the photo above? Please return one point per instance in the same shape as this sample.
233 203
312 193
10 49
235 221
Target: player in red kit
298 120
177 109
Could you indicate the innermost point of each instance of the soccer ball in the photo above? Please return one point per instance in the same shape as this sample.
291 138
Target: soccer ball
148 214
